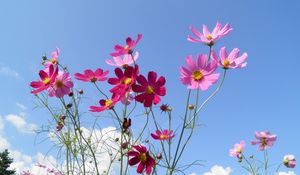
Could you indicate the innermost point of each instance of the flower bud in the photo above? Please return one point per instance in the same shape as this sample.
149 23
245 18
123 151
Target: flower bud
159 156
191 107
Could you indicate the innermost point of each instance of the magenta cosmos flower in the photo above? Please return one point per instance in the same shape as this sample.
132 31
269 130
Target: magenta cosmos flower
140 155
199 74
127 48
90 76
289 161
104 105
61 86
163 135
123 61
231 61
208 37
54 58
237 149
47 79
265 139
150 90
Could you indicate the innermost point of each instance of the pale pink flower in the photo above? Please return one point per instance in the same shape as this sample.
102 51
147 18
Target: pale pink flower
123 61
208 37
62 85
237 149
199 73
127 48
231 61
265 139
289 161
91 76
54 58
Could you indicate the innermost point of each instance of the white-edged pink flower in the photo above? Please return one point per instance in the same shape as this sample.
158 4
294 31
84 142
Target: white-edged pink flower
289 161
199 73
208 37
231 61
237 149
123 60
265 139
62 85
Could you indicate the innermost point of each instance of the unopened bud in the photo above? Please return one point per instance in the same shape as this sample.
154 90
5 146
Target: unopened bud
191 107
80 91
159 156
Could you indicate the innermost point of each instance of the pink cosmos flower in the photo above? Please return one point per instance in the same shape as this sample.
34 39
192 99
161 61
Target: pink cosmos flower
62 85
150 89
123 61
208 37
123 81
231 61
90 76
199 74
237 149
289 161
140 155
128 48
104 105
163 135
265 139
26 173
54 58
47 79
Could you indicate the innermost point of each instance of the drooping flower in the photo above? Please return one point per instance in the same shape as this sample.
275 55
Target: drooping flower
163 135
265 139
124 80
127 48
104 105
62 85
126 123
208 37
47 76
237 149
199 74
54 58
150 89
123 61
231 61
141 156
90 76
165 108
289 161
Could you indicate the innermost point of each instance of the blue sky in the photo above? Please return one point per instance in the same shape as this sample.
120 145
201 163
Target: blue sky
263 96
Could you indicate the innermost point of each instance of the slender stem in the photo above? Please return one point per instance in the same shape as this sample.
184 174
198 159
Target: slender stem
250 165
266 161
209 56
132 58
100 90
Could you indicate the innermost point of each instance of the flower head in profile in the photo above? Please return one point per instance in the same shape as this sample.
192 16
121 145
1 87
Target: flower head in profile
105 104
199 73
47 76
141 156
237 149
163 135
126 123
207 37
231 61
54 58
150 89
123 61
265 139
91 76
61 86
127 48
289 161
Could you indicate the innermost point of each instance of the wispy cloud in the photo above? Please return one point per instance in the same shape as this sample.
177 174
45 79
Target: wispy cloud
219 170
21 124
287 173
7 71
21 106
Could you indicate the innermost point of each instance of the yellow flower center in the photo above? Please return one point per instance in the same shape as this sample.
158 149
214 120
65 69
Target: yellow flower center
108 102
53 61
124 66
126 81
197 75
226 62
143 157
209 37
94 79
149 90
264 141
126 47
162 137
59 83
46 81
239 150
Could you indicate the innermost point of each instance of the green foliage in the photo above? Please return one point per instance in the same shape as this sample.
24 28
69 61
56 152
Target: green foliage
5 162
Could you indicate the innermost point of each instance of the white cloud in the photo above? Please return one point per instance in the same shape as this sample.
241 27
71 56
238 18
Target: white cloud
21 124
21 106
7 71
1 124
4 144
287 173
219 170
193 174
